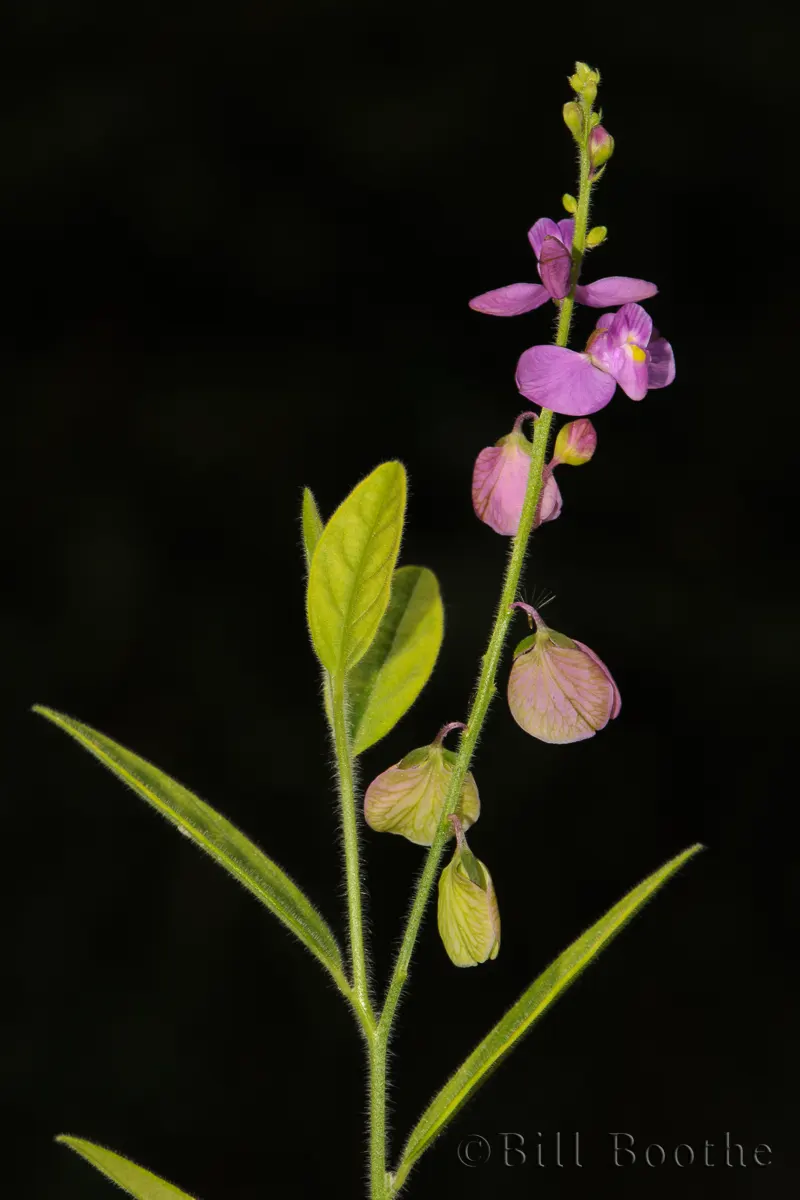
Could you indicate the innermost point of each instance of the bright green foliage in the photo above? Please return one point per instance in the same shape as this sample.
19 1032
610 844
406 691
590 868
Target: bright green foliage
212 833
530 1006
351 572
312 524
390 676
138 1182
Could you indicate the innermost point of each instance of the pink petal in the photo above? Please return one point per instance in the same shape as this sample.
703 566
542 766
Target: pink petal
614 289
512 300
555 265
499 482
563 380
550 501
560 695
585 683
631 324
566 229
543 228
660 362
603 667
628 365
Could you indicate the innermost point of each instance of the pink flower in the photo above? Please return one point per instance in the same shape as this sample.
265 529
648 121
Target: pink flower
500 477
552 245
558 690
500 480
624 349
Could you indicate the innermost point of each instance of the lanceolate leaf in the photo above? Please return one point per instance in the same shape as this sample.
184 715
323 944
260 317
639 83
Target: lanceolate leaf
312 524
530 1006
351 571
390 676
212 833
132 1179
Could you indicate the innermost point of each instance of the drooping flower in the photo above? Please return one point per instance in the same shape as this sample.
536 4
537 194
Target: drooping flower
552 244
409 797
468 916
500 480
624 349
558 690
500 477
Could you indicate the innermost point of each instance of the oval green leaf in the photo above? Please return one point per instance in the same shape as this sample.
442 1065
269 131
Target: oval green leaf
134 1180
393 672
217 836
351 572
543 992
312 524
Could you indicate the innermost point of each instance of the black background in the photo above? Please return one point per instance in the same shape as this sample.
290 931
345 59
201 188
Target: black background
237 251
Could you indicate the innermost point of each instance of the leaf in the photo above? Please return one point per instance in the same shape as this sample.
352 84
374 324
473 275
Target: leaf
398 664
530 1006
312 524
131 1178
351 571
212 833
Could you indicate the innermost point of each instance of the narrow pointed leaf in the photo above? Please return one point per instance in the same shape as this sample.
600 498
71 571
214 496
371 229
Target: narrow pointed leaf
135 1180
312 524
530 1006
214 834
351 572
393 672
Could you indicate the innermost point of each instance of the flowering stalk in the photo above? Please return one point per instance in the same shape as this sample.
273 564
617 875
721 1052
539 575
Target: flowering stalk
486 688
376 630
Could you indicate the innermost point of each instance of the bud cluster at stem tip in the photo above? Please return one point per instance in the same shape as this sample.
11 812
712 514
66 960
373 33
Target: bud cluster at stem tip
584 83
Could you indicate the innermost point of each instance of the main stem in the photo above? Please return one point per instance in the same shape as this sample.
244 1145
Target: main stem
382 1187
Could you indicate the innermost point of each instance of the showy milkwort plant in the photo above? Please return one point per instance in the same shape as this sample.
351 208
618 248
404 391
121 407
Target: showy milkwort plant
376 630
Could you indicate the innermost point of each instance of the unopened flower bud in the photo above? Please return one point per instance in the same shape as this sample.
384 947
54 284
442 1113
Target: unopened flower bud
585 82
596 236
576 442
601 146
569 202
468 916
558 690
500 481
409 797
573 119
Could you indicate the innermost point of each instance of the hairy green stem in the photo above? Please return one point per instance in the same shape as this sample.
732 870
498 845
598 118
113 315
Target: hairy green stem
344 763
484 692
380 1186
